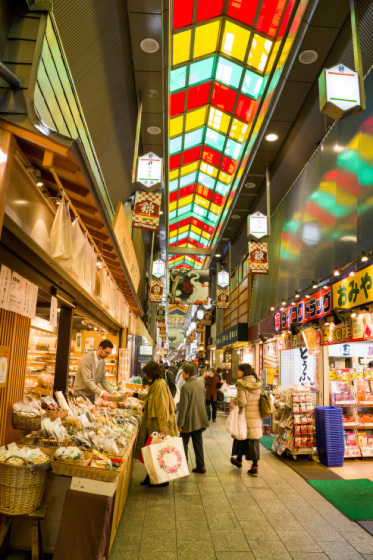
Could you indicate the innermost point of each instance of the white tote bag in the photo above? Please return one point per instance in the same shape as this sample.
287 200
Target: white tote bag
165 461
236 423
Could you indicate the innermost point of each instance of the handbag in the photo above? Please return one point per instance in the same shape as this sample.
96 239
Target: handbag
265 406
165 461
236 423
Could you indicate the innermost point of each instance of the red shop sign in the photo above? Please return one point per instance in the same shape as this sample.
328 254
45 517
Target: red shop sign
318 305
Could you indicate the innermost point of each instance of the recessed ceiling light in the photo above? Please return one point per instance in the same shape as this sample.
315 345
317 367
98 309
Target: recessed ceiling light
151 93
308 57
271 137
235 217
225 239
218 255
149 45
249 185
39 184
161 212
154 130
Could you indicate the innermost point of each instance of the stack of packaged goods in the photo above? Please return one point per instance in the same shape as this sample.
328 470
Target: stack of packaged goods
295 422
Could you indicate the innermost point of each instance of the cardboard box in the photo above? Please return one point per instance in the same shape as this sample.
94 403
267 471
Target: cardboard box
93 486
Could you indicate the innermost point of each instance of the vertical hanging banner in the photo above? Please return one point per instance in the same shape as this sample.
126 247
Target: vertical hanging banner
53 312
156 290
258 258
159 268
161 315
207 318
222 290
200 326
149 170
146 211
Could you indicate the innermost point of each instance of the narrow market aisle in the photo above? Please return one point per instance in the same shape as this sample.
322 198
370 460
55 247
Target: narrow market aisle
226 514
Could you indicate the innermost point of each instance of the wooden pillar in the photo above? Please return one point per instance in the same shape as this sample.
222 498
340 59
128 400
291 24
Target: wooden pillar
65 327
7 149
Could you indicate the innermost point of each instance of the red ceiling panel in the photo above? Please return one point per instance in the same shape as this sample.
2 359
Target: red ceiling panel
285 20
228 165
223 97
205 192
211 156
242 10
184 222
270 15
177 103
198 95
183 13
197 223
218 199
245 108
208 9
175 161
185 191
173 196
192 155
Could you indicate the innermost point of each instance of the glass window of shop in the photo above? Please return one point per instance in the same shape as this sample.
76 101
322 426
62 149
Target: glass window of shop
41 351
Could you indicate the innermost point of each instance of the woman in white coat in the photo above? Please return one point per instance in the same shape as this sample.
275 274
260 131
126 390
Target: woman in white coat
249 389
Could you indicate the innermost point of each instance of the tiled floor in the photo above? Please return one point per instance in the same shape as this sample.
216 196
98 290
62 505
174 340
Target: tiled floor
228 515
355 468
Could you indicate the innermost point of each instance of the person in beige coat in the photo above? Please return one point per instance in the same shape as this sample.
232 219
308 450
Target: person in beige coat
249 389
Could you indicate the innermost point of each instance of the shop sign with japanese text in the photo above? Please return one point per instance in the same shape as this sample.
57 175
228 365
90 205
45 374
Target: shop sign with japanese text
348 331
146 211
149 170
223 278
161 315
222 298
258 258
305 310
156 290
354 290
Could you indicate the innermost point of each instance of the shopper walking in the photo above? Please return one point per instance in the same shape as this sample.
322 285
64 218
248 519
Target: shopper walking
170 380
158 411
249 389
212 384
192 418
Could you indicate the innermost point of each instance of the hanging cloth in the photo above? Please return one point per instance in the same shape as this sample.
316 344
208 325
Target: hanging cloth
67 234
57 235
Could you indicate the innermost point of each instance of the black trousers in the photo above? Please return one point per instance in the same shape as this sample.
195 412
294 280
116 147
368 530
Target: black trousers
197 446
214 405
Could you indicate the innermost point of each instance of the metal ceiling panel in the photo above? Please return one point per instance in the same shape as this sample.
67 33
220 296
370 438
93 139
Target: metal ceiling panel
146 26
156 148
291 101
147 6
95 36
146 81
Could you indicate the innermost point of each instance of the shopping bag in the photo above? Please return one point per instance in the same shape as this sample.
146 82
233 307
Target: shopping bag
236 423
165 461
265 406
153 439
177 396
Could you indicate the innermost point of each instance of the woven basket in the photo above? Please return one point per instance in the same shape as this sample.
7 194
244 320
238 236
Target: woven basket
83 463
21 490
66 469
54 414
27 423
118 398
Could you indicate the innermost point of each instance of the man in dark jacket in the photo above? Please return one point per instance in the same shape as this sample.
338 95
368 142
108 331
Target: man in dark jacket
212 384
170 379
192 418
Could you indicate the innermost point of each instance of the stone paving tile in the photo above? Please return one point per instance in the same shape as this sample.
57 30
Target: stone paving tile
248 513
298 541
362 543
222 520
309 556
163 555
323 532
224 555
306 514
271 550
230 541
197 546
259 531
339 550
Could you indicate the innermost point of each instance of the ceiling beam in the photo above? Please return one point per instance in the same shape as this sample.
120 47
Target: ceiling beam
189 251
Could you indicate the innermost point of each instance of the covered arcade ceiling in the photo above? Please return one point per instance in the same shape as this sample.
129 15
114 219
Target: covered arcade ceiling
226 59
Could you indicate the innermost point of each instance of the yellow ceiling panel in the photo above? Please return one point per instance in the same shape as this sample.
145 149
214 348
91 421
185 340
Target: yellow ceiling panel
259 51
181 47
209 169
196 119
239 130
173 174
235 41
218 120
206 39
189 168
176 126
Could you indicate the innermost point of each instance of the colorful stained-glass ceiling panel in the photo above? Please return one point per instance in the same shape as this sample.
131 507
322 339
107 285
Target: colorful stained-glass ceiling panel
222 54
